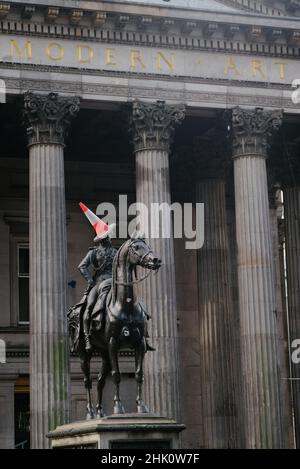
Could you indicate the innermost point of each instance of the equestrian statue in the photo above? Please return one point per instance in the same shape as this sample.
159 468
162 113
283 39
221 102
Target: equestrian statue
109 317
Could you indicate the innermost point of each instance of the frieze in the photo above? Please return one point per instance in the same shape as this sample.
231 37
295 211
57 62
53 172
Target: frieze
143 60
144 76
124 92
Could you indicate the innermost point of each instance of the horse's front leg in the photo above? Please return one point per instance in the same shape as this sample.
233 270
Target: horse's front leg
139 375
105 369
85 360
116 375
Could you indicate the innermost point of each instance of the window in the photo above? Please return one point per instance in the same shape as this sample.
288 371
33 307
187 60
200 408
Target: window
23 283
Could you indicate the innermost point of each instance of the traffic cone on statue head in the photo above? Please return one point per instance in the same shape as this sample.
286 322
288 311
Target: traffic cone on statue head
102 229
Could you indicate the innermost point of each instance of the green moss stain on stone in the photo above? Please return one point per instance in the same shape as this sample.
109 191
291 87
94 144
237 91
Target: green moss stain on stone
59 377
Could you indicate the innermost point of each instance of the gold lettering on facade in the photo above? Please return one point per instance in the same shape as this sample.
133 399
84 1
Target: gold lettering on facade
169 62
21 53
57 53
110 56
257 67
275 70
84 54
136 56
231 66
281 69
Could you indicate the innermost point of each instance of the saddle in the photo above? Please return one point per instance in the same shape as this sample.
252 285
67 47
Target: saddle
75 314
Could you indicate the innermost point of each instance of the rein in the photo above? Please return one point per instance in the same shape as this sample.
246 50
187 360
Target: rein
134 282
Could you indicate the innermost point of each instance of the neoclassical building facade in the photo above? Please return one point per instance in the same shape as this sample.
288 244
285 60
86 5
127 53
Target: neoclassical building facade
192 101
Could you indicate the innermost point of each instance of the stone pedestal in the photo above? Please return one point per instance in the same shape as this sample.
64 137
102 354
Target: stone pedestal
127 431
152 128
48 120
259 329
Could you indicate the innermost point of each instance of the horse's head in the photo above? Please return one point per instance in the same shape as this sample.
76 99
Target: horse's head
140 254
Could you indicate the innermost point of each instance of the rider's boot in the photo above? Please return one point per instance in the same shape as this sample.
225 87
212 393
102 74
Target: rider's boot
86 333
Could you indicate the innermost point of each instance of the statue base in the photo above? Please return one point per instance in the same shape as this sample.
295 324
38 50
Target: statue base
122 431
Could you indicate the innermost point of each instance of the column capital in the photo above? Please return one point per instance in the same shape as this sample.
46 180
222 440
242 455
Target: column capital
48 117
153 124
253 129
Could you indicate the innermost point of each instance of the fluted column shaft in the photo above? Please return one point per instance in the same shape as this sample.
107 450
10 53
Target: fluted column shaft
281 315
292 216
48 333
49 364
259 333
218 337
152 128
159 292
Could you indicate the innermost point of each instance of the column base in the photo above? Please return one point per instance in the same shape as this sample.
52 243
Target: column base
123 431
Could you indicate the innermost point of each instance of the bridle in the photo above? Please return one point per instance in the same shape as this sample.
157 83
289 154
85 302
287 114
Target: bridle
139 261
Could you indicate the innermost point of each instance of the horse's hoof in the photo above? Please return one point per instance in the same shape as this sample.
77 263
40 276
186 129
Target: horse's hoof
142 408
100 413
90 415
118 408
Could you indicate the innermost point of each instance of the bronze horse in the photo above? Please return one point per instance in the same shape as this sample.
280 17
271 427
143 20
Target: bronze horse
124 326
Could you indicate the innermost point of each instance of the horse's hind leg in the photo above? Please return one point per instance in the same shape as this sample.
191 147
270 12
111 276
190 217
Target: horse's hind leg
116 375
139 376
85 360
105 369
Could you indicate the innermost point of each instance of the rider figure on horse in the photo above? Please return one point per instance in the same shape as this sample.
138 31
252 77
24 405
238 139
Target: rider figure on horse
100 259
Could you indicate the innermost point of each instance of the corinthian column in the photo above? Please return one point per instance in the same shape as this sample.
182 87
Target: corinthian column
258 323
219 351
48 118
152 128
291 197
